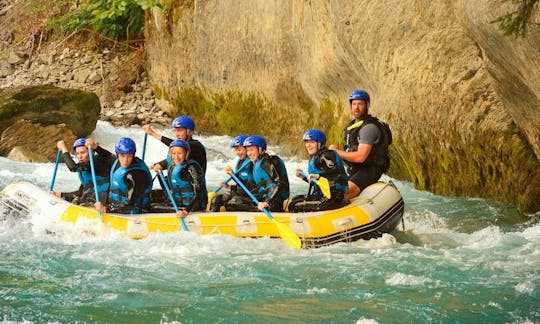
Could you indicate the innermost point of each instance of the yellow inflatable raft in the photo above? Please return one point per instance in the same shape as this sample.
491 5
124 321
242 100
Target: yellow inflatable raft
377 210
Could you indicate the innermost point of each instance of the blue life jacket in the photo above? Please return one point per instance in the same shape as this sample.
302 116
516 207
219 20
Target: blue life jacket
264 181
337 183
182 189
85 177
118 193
244 171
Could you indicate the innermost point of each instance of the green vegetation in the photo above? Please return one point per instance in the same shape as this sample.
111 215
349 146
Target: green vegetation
235 112
499 167
194 102
516 22
115 19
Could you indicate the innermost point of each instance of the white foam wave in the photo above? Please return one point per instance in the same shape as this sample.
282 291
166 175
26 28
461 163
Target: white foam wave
401 279
384 241
526 287
317 291
426 221
363 320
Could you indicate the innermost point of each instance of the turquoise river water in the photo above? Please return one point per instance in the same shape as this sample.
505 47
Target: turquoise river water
459 260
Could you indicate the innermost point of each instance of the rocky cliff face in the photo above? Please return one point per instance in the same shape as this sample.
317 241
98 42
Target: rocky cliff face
463 100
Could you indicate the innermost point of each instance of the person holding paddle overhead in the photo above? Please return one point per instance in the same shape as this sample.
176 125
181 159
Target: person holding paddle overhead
244 170
185 179
327 177
131 182
103 159
269 175
183 126
366 145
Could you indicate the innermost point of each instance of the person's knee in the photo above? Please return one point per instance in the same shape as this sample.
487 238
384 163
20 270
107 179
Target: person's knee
216 203
353 191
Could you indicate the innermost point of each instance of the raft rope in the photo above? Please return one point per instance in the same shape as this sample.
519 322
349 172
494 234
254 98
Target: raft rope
265 222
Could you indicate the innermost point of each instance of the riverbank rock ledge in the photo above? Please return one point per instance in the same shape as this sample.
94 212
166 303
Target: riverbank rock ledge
33 119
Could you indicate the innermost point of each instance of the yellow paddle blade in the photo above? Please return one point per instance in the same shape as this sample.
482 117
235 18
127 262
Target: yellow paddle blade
211 195
325 187
288 235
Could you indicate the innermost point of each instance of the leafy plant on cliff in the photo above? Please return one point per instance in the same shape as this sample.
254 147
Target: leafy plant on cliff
516 22
116 19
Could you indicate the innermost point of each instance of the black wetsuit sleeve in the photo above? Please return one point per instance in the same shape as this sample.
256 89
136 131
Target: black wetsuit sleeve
72 166
105 158
198 153
165 140
195 178
269 167
139 182
164 164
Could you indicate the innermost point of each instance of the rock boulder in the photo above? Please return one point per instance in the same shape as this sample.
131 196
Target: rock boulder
37 117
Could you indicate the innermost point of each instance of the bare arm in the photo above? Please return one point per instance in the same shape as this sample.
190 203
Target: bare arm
358 156
148 130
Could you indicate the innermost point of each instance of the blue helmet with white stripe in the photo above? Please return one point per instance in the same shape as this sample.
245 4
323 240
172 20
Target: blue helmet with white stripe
180 143
255 140
79 142
239 140
315 135
125 145
359 95
183 121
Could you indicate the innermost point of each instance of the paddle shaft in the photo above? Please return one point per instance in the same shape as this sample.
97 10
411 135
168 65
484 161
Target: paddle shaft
306 176
93 171
171 198
58 155
144 146
226 181
241 184
244 165
285 231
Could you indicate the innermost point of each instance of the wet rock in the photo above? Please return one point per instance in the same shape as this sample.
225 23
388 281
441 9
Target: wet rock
46 106
32 142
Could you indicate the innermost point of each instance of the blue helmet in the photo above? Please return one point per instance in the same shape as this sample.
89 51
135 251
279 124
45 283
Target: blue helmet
79 142
239 140
125 145
183 121
255 140
359 95
180 143
315 135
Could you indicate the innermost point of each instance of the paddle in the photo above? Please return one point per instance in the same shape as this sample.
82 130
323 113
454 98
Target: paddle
144 146
58 155
166 186
285 231
322 183
93 170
